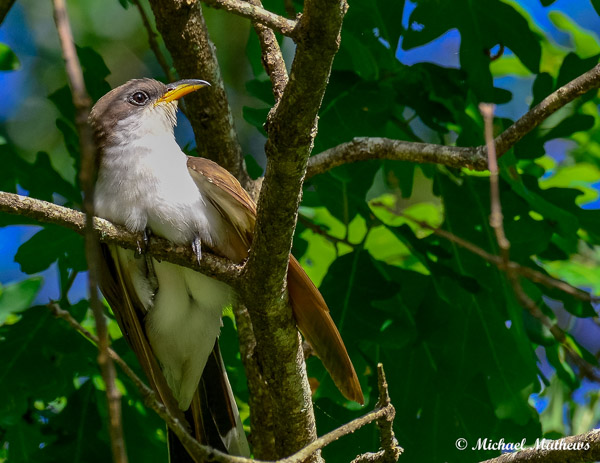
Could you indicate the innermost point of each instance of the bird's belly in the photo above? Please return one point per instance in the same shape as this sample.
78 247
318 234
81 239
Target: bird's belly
183 325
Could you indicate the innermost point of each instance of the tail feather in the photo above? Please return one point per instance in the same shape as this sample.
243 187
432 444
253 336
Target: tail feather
213 414
315 323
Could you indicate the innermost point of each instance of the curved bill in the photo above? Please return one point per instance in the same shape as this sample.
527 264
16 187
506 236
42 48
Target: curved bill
181 88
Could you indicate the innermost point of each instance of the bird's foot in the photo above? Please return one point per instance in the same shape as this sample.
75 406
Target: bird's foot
196 247
142 245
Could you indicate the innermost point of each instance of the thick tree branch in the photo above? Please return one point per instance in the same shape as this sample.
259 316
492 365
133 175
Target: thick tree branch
291 132
45 212
183 29
260 401
475 158
257 14
82 104
572 449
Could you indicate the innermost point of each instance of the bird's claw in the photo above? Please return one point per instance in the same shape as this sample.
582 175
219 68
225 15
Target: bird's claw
196 247
142 245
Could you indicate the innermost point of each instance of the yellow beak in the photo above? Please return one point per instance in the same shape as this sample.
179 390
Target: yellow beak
181 88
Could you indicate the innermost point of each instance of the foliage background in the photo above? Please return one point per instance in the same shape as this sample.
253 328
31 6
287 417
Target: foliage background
463 359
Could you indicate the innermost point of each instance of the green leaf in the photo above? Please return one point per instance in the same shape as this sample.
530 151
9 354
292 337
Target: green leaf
78 427
585 41
18 297
40 346
400 174
47 246
343 192
573 66
482 28
8 60
256 117
42 181
254 169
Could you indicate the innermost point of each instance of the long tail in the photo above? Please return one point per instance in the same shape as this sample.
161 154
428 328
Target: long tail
315 323
213 415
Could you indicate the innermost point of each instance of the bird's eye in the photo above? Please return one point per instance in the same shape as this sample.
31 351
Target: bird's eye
139 98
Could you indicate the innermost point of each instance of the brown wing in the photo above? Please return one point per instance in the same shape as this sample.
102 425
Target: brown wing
129 312
233 203
308 306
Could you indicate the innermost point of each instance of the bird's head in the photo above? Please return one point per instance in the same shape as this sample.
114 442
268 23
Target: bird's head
139 108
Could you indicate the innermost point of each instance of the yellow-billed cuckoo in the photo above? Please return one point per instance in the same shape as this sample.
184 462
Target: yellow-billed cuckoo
170 315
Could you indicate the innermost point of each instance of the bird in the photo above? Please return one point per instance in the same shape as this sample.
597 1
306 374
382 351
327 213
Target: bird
171 315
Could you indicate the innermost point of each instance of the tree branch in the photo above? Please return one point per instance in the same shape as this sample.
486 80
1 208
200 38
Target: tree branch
366 148
87 148
474 158
291 132
272 58
183 29
260 401
257 14
45 212
574 449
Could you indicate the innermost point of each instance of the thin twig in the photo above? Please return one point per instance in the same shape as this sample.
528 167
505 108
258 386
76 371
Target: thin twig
257 14
272 59
487 110
367 148
390 450
82 103
204 453
154 45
